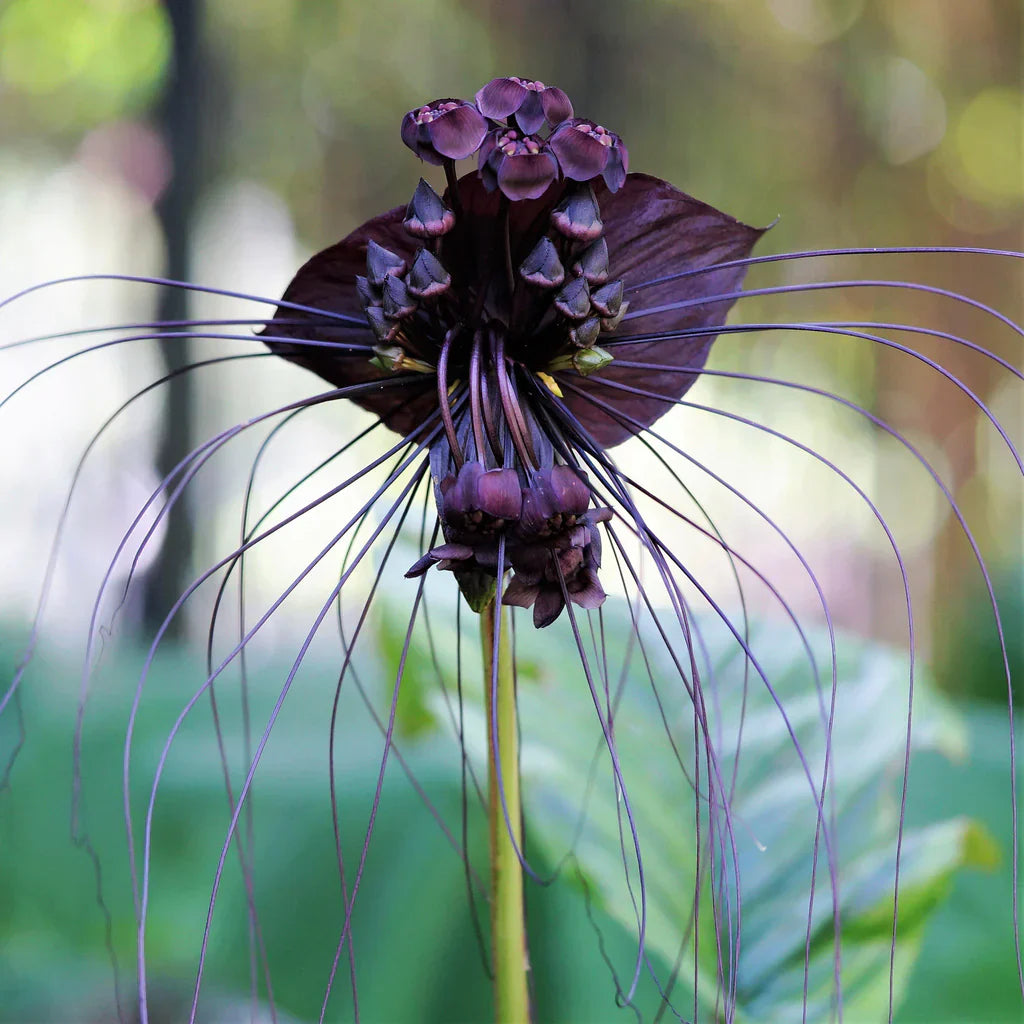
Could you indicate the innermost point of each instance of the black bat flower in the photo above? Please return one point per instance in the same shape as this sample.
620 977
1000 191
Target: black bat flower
506 333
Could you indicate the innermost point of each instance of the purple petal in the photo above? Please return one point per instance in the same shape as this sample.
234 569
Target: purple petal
547 607
500 97
591 595
530 115
527 176
415 136
572 494
520 594
557 107
499 495
614 173
458 133
580 155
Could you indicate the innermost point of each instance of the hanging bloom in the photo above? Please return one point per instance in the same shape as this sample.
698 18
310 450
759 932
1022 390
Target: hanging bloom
443 130
521 166
586 150
529 103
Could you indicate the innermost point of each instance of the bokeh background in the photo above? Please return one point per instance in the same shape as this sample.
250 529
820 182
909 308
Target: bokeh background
224 142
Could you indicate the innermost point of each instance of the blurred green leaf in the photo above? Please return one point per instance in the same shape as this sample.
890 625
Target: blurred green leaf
772 815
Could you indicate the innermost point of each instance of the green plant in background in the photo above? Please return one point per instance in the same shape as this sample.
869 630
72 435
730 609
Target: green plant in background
727 793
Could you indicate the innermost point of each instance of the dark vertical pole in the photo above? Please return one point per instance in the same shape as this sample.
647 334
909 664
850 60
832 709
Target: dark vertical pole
179 120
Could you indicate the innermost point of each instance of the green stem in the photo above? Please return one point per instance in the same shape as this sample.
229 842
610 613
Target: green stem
508 925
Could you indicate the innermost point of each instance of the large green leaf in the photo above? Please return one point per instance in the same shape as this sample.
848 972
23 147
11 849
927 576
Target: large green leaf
572 803
773 813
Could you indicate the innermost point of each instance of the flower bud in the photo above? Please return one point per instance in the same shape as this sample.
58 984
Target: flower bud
585 334
589 360
394 358
610 323
573 300
592 263
543 267
607 300
577 216
584 361
384 329
426 216
398 302
427 277
381 262
368 295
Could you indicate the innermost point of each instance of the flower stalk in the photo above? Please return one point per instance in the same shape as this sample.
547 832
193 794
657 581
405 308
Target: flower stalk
504 812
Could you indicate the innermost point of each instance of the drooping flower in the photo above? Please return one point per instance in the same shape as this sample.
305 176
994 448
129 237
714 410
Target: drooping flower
586 150
443 130
502 371
530 103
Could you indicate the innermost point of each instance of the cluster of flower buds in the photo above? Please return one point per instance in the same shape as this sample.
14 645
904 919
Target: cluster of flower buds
550 533
392 291
582 298
525 135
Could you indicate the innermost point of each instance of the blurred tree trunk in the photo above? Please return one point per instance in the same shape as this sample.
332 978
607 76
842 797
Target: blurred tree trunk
178 117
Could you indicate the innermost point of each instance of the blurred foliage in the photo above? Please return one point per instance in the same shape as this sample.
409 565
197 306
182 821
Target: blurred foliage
413 915
76 64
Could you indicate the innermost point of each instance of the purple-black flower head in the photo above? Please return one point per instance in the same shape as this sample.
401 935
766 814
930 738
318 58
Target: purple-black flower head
530 103
487 312
521 166
426 216
586 150
444 130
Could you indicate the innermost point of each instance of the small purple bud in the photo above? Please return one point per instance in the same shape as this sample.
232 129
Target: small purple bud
592 263
578 216
542 267
368 295
398 302
426 216
611 322
427 278
614 173
585 334
381 262
607 300
573 300
444 129
384 329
